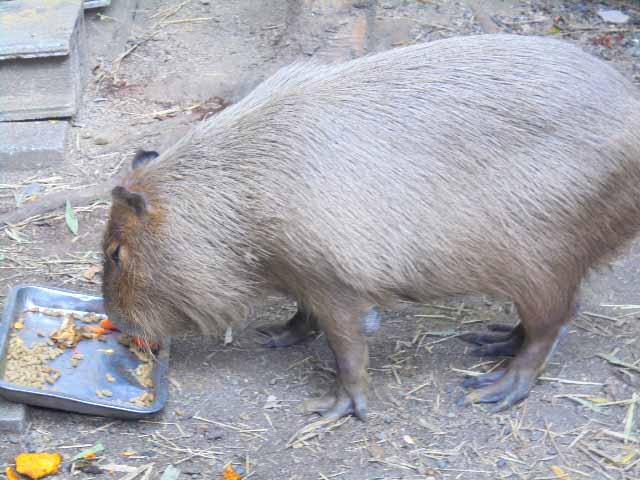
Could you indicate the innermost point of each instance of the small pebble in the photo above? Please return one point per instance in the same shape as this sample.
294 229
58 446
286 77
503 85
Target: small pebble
101 141
613 16
387 419
442 463
381 436
501 463
215 434
193 470
535 436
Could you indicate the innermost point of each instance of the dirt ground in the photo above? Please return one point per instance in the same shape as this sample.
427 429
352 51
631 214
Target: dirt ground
239 403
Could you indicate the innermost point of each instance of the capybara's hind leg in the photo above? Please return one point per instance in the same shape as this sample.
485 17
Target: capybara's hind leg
543 327
504 341
349 345
297 329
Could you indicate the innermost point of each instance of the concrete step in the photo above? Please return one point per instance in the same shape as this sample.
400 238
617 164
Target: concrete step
42 58
32 145
13 417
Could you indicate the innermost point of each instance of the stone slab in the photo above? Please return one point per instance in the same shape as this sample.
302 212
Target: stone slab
38 82
13 417
32 145
37 28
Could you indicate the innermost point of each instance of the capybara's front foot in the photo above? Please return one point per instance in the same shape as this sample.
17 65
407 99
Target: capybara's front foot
339 403
300 327
346 337
504 341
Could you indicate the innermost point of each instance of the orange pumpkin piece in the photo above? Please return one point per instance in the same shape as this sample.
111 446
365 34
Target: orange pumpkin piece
98 330
107 325
230 474
38 465
11 475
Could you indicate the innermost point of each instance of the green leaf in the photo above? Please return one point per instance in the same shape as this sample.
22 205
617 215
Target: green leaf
71 219
97 448
171 473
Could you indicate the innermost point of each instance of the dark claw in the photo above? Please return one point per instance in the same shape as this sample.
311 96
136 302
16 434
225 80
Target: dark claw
508 348
360 406
497 344
341 408
483 380
500 327
512 387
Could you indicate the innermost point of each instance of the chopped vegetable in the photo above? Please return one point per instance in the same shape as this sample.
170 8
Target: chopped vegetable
107 325
11 474
38 465
230 474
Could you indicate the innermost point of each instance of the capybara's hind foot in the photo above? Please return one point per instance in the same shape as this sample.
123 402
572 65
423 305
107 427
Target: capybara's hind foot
300 327
504 388
281 336
335 406
505 342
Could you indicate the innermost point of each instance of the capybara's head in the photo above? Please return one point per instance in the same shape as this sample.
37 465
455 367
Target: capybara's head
132 298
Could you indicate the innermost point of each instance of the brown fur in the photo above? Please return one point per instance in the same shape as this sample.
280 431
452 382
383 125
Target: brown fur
497 165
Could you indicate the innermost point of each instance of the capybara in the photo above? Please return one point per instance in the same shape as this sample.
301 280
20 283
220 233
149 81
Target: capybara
500 165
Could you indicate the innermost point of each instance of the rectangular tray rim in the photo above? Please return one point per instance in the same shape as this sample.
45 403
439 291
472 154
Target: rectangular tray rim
10 390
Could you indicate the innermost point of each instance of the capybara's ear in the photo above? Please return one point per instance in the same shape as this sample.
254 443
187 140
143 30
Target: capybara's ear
143 156
134 200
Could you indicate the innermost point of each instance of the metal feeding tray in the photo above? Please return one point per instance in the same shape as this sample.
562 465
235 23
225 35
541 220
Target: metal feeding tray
75 389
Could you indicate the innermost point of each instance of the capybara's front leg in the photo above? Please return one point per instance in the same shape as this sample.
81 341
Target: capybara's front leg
349 345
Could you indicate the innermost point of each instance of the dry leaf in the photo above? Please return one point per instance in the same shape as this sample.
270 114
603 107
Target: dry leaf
627 458
559 472
38 465
230 474
90 272
376 451
71 219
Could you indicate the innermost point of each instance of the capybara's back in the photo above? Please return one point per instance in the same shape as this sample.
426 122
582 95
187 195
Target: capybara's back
502 165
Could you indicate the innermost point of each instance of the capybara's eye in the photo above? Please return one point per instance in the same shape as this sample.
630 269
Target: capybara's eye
115 255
